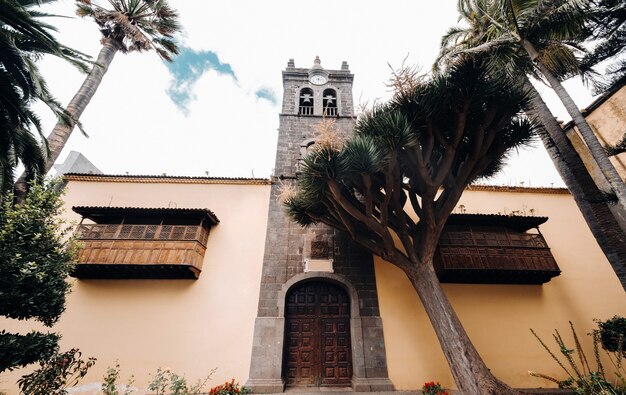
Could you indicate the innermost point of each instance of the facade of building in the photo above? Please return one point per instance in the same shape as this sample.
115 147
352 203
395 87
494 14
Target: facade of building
607 118
193 273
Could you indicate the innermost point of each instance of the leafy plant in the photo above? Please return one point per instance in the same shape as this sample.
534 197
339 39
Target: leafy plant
36 256
21 350
581 377
110 386
613 334
434 388
229 388
61 371
165 379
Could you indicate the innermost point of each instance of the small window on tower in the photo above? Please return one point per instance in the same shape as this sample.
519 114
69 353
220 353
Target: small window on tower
306 102
330 103
305 148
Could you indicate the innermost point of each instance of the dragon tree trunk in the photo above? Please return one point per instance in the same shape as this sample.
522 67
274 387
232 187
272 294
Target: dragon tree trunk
468 369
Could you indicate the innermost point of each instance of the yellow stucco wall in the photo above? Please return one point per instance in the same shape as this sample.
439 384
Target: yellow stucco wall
189 326
193 326
498 317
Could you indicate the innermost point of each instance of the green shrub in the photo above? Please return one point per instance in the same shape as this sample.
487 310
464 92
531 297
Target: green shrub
110 386
56 374
613 334
36 256
165 380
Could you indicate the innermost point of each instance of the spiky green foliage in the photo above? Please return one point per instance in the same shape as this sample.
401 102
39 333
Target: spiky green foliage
606 24
499 28
538 37
25 38
423 147
136 25
583 378
36 257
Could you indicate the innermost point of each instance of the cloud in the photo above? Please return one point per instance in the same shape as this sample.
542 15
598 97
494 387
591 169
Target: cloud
187 68
267 94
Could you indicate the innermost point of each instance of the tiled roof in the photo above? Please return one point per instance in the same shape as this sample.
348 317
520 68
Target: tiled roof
504 188
518 222
92 212
165 179
265 181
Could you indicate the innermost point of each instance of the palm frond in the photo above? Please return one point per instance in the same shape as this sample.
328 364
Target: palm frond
560 60
137 25
24 39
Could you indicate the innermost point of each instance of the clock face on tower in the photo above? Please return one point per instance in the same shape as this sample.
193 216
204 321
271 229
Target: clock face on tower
318 79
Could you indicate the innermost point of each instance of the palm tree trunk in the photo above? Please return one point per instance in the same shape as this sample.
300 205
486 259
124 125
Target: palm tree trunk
470 373
61 133
593 206
598 153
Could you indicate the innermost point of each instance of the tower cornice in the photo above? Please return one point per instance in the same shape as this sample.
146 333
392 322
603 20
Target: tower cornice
334 75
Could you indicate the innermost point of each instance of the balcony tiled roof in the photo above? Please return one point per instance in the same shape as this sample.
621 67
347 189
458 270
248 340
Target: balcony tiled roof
95 213
520 223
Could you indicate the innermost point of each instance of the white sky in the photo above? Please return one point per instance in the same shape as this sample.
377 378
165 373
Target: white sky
135 128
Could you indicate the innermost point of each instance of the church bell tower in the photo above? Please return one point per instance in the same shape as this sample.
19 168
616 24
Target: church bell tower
318 322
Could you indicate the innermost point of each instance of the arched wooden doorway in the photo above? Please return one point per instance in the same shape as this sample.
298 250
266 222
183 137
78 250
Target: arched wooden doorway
318 352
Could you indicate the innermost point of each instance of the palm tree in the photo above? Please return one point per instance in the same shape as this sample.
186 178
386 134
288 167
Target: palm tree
132 25
607 36
606 27
591 202
24 38
414 157
541 35
482 34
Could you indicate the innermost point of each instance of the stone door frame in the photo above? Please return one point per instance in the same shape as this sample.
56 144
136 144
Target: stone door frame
310 329
365 332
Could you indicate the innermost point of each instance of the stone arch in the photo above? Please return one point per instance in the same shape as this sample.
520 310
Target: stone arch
305 146
330 277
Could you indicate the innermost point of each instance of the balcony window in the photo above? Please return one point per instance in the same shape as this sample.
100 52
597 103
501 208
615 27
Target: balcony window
494 249
128 242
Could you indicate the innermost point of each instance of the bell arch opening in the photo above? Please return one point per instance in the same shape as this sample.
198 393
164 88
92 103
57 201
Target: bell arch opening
329 101
305 102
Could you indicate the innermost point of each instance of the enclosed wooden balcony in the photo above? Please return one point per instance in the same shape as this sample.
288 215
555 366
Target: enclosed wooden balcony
142 243
494 249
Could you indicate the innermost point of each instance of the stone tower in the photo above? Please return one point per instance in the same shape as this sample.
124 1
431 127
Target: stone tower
318 322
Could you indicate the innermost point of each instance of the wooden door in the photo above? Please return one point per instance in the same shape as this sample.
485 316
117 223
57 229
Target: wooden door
317 336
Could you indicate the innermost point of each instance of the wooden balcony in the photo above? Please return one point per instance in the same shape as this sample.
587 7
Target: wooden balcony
141 251
494 253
